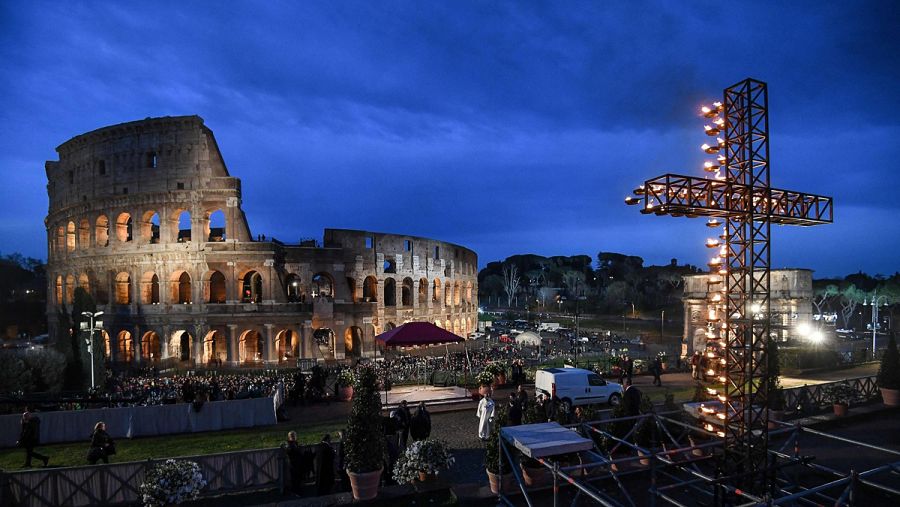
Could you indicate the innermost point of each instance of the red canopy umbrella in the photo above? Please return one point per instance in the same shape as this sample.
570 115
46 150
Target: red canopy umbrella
417 333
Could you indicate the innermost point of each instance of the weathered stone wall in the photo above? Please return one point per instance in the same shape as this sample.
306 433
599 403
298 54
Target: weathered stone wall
211 291
791 305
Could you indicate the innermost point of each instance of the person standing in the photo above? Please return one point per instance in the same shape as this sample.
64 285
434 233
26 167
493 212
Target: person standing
404 417
631 399
657 371
695 366
522 398
295 460
102 446
552 409
629 367
420 424
324 466
515 410
30 437
485 415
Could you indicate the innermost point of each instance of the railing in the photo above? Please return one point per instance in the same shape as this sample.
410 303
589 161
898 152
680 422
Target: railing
813 398
119 483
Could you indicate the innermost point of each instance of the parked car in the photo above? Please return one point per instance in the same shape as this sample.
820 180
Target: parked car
577 386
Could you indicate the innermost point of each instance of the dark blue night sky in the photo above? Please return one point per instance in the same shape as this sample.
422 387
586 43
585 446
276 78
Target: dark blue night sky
507 127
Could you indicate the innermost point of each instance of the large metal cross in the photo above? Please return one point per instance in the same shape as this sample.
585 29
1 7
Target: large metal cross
748 205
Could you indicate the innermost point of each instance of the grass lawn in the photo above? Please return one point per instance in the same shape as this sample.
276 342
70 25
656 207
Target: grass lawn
192 444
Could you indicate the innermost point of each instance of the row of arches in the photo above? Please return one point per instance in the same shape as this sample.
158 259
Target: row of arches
250 287
72 236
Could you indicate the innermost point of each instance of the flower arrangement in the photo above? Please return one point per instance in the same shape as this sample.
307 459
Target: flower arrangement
428 456
495 368
172 482
345 378
840 393
485 378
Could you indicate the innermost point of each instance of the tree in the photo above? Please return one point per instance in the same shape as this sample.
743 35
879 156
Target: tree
364 444
850 298
510 282
889 370
823 295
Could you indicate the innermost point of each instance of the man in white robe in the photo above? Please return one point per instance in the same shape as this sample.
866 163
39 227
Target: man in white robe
485 415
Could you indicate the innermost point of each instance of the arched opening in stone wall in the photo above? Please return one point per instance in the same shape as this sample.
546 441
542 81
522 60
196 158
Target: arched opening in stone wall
251 287
123 227
353 342
215 348
184 226
106 342
149 288
370 289
423 291
468 292
59 291
84 233
217 288
180 345
324 340
70 289
101 287
123 289
181 288
216 226
286 344
101 231
448 325
70 237
448 295
436 291
84 282
150 227
406 292
322 285
292 288
390 266
60 240
351 288
457 293
150 346
250 347
125 347
456 328
438 323
390 292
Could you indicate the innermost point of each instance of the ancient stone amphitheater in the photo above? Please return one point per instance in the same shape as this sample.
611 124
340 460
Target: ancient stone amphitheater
146 218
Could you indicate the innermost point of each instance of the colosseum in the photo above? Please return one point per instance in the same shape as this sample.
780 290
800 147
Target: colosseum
146 218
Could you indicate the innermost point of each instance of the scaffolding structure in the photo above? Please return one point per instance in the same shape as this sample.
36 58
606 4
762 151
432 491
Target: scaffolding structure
739 325
657 459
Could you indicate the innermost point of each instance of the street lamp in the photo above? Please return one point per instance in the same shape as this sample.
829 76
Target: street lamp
874 303
94 325
560 299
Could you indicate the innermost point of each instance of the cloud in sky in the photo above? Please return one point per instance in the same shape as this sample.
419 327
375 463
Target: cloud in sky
503 126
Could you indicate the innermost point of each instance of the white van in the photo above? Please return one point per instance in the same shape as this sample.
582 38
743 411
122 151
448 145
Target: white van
577 386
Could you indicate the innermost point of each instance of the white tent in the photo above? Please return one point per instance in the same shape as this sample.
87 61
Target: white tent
528 338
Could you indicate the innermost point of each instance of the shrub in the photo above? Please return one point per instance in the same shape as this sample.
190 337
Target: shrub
428 456
485 378
889 371
345 378
492 449
48 369
364 444
14 376
839 393
172 482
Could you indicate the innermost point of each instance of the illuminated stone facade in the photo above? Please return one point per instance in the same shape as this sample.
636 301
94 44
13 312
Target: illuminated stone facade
791 305
208 290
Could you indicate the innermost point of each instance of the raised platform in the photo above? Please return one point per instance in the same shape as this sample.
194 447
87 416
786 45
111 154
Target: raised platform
545 439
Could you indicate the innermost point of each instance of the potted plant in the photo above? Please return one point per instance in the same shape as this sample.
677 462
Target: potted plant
364 445
840 394
492 455
421 460
484 381
171 483
775 393
533 472
344 385
889 375
498 371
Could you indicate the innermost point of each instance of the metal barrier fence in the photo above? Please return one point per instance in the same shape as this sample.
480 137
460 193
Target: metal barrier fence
813 398
119 483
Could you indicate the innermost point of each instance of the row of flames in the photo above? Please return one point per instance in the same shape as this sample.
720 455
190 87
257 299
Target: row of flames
717 289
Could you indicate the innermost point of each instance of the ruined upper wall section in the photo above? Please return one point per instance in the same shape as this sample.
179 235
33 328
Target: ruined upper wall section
171 155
